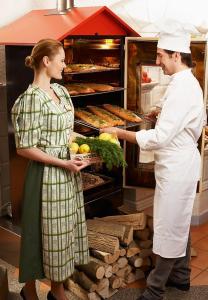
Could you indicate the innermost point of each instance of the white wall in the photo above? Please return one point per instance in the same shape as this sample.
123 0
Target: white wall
135 12
11 10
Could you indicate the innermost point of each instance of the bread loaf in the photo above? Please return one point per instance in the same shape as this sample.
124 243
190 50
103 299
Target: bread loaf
106 115
98 87
122 113
83 68
76 88
91 119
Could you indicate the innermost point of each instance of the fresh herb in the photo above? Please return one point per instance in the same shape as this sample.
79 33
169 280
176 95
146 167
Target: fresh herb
110 153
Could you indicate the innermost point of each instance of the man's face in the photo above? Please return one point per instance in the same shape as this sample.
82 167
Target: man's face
165 61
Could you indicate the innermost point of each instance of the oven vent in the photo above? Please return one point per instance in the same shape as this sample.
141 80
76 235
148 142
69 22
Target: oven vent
62 7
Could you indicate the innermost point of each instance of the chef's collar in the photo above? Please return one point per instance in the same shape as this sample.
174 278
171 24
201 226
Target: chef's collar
180 73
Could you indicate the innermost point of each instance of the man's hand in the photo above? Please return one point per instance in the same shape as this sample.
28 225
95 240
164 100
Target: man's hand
152 116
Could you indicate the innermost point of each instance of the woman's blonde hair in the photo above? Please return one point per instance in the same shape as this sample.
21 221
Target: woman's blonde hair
46 47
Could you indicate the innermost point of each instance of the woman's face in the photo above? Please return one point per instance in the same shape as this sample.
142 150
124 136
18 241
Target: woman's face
56 65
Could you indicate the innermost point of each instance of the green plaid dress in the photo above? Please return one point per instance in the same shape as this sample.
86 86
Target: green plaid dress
40 122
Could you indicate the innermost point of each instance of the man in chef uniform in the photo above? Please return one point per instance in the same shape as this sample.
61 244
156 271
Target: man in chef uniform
177 161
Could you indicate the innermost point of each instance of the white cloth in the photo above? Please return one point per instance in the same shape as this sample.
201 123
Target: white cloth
146 156
177 162
175 36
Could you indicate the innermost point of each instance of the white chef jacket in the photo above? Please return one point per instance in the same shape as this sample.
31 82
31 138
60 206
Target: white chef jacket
177 162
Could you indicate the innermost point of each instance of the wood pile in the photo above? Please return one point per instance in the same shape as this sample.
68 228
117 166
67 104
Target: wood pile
120 253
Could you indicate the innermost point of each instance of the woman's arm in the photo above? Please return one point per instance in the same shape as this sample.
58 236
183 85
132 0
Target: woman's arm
38 155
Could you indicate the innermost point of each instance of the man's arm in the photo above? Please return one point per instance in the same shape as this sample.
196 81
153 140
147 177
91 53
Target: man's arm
122 134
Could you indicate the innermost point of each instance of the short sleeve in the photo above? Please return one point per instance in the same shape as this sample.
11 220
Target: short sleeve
27 119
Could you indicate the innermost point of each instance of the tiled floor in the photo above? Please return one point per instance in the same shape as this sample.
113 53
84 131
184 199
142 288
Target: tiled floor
199 264
9 252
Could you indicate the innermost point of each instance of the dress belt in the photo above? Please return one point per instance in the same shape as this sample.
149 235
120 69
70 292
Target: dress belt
61 152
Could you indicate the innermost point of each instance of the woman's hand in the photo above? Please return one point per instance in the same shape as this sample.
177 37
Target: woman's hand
75 165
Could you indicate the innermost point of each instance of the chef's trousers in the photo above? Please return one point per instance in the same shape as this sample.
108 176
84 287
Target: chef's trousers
175 269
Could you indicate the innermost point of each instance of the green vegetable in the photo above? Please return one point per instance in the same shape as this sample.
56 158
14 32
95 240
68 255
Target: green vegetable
110 153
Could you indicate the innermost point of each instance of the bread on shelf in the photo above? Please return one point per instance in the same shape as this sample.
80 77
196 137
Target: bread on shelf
91 119
122 113
105 115
76 89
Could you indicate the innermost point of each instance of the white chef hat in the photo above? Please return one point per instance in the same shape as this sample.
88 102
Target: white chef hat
175 36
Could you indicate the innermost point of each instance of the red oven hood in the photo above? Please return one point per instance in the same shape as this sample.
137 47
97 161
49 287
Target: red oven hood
37 25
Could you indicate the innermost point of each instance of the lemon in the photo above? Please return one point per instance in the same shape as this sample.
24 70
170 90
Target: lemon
105 136
74 147
114 141
84 148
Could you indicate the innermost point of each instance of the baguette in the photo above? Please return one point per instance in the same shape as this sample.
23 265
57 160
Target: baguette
74 88
99 87
91 119
122 113
83 68
105 115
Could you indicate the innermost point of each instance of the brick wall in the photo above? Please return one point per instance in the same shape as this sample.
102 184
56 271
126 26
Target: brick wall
2 65
4 149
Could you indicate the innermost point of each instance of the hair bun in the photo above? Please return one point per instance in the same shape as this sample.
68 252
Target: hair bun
29 61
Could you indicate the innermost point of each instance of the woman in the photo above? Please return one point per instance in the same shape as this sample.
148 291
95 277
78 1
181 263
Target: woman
53 222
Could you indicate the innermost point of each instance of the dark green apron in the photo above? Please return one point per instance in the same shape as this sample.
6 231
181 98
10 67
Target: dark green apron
31 262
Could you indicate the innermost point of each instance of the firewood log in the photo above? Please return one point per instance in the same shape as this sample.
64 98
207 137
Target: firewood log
104 293
128 236
134 276
136 261
80 292
93 270
123 272
115 267
115 282
129 278
142 234
132 249
113 229
84 281
122 262
123 285
102 284
138 220
108 268
112 292
103 242
104 256
122 251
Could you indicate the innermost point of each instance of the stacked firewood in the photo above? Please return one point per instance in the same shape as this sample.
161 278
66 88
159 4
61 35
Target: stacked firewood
120 253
